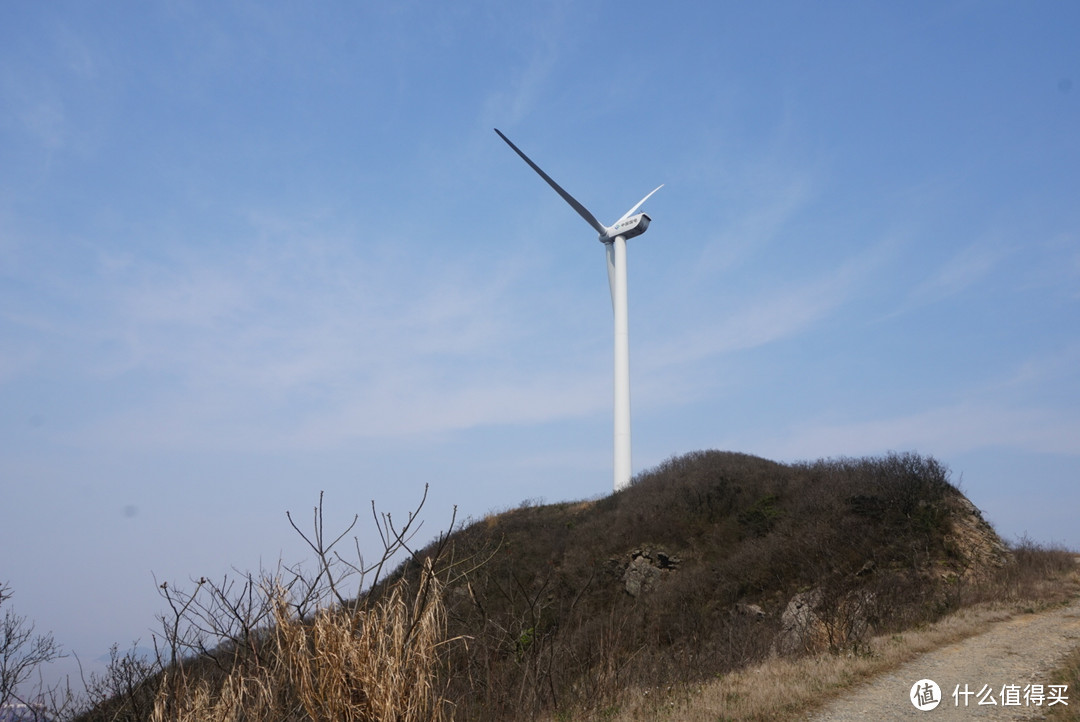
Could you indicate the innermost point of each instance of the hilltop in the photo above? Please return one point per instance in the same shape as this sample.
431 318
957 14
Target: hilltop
707 563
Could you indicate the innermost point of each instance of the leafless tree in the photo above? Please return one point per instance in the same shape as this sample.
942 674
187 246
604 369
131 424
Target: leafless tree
21 651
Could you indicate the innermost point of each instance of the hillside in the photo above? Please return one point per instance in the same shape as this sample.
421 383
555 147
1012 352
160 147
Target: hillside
707 563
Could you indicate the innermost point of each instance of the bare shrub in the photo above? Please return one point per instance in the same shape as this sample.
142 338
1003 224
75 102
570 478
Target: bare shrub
1034 572
124 692
377 662
22 651
294 645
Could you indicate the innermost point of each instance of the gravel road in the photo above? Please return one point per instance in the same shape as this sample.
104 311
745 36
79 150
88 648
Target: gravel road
996 665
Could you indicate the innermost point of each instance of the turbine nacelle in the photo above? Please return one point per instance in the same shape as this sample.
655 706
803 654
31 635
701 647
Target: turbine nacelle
627 228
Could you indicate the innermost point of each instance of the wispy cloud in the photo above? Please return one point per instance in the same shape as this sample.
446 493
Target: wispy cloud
1058 369
304 342
38 89
774 314
426 405
964 270
771 204
521 94
945 430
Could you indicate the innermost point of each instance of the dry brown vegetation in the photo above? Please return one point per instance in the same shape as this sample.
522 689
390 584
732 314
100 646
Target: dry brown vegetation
872 542
788 688
368 663
292 645
1068 673
625 607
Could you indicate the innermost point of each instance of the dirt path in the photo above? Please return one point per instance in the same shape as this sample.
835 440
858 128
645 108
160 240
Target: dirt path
1020 651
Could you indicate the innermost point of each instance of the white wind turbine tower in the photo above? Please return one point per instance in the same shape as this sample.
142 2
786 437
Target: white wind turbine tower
614 238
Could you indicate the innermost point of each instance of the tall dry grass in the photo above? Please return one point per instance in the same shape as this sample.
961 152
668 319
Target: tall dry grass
377 664
293 647
364 664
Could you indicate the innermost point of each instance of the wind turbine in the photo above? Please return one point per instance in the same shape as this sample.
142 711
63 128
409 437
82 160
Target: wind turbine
614 238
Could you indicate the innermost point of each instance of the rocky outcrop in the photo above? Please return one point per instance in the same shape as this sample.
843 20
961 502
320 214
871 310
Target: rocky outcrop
974 541
799 624
646 568
814 622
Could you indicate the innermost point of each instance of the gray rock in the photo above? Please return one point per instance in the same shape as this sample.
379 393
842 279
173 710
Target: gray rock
749 610
640 576
646 568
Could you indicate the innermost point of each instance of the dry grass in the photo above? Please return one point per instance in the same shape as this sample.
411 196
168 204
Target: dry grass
790 688
367 664
1068 673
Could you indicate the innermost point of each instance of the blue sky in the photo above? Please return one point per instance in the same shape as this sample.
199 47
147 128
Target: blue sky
252 251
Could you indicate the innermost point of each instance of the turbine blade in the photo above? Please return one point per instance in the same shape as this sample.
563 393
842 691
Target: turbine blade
582 210
634 209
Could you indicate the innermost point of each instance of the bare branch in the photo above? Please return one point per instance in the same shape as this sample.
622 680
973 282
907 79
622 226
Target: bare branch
21 651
